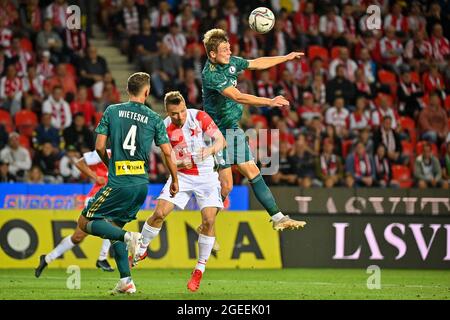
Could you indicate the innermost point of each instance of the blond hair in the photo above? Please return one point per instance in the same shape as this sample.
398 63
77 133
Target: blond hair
213 38
173 98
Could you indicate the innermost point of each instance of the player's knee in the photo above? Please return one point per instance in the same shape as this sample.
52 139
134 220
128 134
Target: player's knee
208 222
158 216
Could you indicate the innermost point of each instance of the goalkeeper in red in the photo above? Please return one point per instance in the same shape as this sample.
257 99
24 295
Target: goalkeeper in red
223 102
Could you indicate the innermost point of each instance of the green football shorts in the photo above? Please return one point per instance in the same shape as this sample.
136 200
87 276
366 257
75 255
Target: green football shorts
237 150
116 204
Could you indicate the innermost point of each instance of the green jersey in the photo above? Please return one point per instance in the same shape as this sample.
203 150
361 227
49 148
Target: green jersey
225 112
131 128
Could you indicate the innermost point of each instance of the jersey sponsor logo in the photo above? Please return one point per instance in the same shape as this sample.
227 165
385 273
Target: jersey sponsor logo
232 69
129 167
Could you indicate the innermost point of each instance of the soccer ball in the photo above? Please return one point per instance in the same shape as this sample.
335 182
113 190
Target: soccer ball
261 20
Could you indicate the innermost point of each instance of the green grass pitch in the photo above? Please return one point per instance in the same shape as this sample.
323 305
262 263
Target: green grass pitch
231 284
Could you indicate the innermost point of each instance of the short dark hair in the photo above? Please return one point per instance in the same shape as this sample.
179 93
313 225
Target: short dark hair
136 82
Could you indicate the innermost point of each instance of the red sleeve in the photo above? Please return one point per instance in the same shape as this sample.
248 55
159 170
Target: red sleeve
207 124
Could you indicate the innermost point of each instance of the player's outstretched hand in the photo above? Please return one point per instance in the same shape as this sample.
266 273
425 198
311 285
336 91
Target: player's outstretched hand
279 101
294 55
100 180
173 188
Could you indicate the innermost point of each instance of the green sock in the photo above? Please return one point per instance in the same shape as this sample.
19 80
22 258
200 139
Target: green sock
264 195
105 230
121 257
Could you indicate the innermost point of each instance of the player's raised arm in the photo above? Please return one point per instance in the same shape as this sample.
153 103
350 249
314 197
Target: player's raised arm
268 62
244 98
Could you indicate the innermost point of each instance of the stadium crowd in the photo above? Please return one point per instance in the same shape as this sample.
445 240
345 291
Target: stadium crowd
368 107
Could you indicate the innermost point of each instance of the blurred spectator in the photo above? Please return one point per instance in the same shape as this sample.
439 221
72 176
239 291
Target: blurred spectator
46 159
306 24
318 90
331 28
33 84
359 165
365 136
78 134
360 118
128 23
110 96
45 67
368 65
408 95
440 44
249 45
433 121
164 69
350 66
175 40
340 86
278 42
330 134
349 25
391 50
195 60
433 81
363 87
309 110
45 132
76 44
390 139
396 20
186 19
383 172
58 108
35 175
3 136
6 34
384 109
312 132
17 156
11 89
30 17
145 44
57 14
303 161
418 48
284 175
337 116
427 170
82 105
21 58
67 168
4 61
49 40
162 18
416 20
5 175
329 167
92 70
289 89
191 89
64 80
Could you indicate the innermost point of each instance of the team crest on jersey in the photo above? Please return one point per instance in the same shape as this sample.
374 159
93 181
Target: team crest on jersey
232 69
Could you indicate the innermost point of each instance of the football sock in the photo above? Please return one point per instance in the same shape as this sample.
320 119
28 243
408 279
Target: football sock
205 245
264 195
65 245
104 250
105 230
148 234
121 257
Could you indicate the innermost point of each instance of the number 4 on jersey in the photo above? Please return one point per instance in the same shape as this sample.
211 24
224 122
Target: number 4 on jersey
130 140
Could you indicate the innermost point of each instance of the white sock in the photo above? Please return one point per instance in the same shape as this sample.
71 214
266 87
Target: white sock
148 234
205 245
125 280
104 250
277 217
65 245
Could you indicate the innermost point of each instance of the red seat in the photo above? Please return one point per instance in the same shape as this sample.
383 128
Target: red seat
5 119
318 51
255 118
346 146
402 175
26 122
25 141
407 148
447 103
419 148
388 78
408 124
415 78
26 45
335 52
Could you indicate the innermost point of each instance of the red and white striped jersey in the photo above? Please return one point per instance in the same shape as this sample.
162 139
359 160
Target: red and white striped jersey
96 164
5 38
188 141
